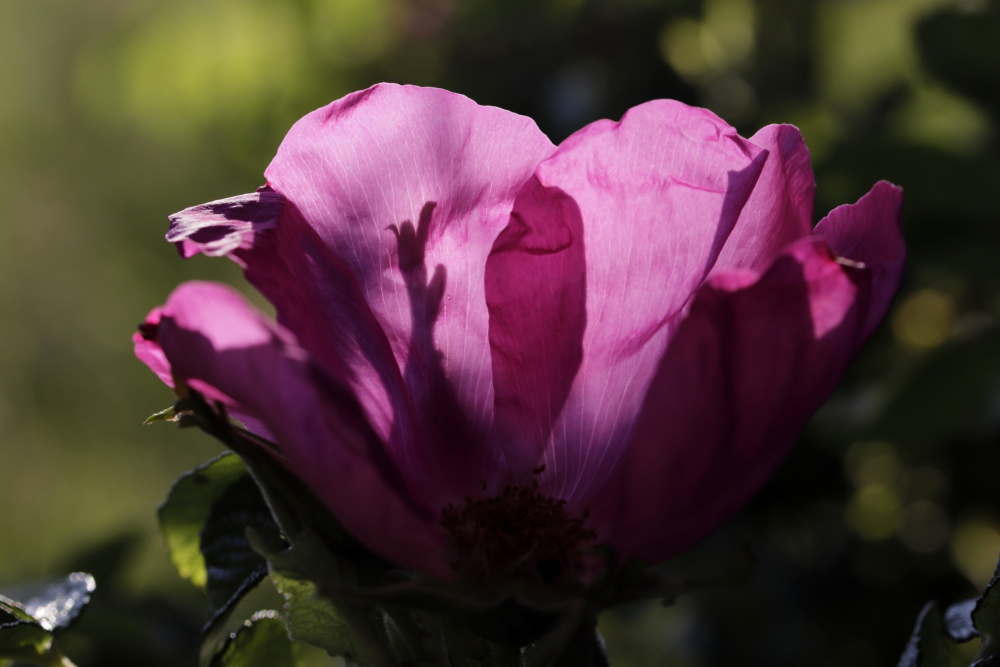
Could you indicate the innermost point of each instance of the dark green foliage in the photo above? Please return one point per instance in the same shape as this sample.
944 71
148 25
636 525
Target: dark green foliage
930 645
28 628
960 48
185 512
261 642
312 618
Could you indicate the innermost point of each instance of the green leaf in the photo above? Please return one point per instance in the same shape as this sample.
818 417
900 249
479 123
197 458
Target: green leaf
185 511
404 635
229 559
223 613
986 618
930 645
12 611
312 618
261 642
205 520
23 638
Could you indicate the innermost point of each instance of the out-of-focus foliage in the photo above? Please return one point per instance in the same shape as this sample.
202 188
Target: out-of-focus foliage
115 113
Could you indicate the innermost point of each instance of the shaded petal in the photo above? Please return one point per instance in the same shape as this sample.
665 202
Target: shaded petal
780 209
751 362
148 351
657 195
211 335
870 233
395 196
536 294
146 346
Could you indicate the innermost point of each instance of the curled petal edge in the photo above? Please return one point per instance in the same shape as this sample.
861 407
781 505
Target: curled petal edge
213 339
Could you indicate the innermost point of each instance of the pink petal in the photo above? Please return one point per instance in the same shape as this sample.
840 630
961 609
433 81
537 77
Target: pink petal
869 232
643 208
780 209
146 346
751 362
395 196
536 294
211 335
149 352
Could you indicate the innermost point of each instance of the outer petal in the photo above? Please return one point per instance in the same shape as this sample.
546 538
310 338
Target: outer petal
149 351
212 336
779 210
640 210
395 196
750 364
869 233
748 367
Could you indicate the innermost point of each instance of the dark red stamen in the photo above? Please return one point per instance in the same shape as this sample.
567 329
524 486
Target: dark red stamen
518 534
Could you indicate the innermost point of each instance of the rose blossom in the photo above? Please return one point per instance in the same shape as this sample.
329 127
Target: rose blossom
492 351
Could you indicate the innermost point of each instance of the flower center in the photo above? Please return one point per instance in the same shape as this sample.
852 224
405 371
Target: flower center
518 534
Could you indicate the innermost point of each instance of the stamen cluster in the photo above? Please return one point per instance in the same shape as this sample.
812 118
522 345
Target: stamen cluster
517 534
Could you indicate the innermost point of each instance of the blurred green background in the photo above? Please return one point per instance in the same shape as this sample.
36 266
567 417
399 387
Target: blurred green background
115 113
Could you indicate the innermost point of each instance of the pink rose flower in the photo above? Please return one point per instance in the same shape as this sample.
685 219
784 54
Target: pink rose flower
491 352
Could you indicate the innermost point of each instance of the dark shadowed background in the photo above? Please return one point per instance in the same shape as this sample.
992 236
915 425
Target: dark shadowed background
115 113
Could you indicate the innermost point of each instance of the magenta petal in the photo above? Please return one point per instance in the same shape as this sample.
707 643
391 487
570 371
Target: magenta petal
657 195
211 335
146 346
403 191
536 294
221 227
780 209
747 368
870 233
148 351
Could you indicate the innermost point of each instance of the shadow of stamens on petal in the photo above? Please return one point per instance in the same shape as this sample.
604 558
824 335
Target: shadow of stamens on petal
448 430
412 242
425 295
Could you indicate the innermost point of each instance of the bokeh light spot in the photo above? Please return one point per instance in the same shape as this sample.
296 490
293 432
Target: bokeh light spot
932 116
872 463
974 547
352 32
924 319
923 527
866 46
719 43
873 512
194 65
